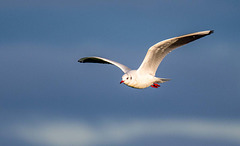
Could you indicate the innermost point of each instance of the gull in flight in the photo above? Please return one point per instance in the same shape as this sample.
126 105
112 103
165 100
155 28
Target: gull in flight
144 76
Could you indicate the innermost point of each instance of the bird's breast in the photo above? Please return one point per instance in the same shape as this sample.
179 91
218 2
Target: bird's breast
140 83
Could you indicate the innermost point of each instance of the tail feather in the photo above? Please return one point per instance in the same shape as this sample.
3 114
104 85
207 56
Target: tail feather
162 80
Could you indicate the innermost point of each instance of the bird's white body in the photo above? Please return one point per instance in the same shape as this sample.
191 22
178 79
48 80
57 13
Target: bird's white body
144 76
136 79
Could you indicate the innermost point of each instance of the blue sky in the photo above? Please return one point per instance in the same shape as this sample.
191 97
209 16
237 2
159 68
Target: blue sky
48 98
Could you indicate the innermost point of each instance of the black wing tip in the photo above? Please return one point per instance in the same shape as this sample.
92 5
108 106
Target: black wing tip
84 59
81 60
211 31
93 60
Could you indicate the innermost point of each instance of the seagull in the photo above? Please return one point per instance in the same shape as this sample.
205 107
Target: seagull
144 76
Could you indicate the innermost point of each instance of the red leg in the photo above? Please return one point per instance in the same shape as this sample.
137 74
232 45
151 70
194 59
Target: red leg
155 85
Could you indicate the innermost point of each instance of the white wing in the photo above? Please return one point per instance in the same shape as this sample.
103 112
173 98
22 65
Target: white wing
104 61
157 52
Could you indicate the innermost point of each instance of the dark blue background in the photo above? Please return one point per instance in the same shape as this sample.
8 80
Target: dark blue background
43 86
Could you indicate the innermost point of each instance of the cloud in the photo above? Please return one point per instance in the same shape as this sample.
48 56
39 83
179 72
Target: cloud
62 133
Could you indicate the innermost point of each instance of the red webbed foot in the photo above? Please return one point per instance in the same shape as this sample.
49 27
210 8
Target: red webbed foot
154 85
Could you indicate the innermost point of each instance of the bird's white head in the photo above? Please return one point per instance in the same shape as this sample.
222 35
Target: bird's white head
126 79
129 78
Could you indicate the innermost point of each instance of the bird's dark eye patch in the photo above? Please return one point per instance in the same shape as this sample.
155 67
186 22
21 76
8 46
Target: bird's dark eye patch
127 78
130 78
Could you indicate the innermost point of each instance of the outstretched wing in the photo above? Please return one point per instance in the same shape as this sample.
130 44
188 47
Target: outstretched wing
157 52
104 61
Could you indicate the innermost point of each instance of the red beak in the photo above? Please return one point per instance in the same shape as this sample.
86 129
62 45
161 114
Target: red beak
121 82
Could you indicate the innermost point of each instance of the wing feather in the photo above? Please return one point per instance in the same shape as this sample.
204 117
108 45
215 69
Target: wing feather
103 61
157 52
